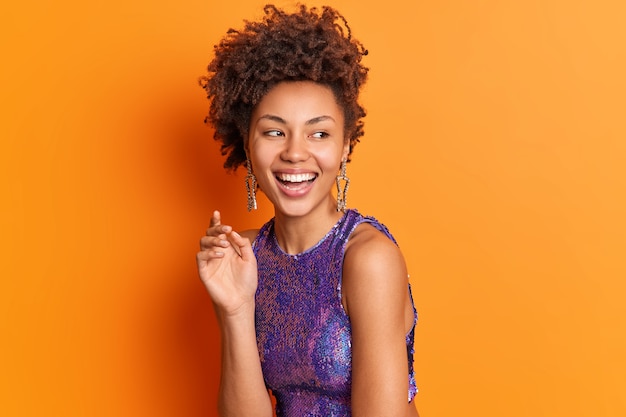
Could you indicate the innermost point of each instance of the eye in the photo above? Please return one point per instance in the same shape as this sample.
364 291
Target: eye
274 133
320 135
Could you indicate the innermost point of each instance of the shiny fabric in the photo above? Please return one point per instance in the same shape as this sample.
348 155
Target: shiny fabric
303 332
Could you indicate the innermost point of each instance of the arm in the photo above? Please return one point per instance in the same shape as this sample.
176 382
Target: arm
375 291
227 267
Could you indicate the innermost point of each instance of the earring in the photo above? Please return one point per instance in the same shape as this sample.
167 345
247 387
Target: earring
342 195
250 187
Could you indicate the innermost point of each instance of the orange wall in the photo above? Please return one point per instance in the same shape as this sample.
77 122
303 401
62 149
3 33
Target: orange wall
494 150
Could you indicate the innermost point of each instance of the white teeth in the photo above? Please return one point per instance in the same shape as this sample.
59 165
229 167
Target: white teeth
296 177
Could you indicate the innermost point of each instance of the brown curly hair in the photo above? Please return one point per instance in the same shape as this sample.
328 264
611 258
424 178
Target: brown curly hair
309 44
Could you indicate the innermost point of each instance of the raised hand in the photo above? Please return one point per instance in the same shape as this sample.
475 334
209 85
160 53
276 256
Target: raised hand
227 267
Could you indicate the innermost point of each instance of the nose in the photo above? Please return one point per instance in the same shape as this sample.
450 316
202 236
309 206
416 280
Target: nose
296 149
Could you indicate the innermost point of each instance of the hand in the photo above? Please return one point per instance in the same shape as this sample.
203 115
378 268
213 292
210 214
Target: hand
227 267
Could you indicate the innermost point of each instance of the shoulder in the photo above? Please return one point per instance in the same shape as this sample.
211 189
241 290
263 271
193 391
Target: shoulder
374 268
369 246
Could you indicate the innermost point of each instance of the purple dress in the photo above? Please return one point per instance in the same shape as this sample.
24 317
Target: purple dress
303 332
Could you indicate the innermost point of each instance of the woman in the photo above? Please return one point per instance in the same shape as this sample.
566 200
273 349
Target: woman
315 306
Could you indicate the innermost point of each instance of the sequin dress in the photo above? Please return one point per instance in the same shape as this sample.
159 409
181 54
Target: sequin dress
303 332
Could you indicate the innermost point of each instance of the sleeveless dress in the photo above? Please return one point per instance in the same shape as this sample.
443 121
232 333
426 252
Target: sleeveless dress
303 332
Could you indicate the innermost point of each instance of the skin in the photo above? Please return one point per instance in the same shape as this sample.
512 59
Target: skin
298 129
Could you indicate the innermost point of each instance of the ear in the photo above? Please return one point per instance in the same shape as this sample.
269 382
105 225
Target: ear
246 148
346 150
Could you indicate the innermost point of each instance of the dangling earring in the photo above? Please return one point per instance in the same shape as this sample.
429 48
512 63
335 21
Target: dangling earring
342 195
250 187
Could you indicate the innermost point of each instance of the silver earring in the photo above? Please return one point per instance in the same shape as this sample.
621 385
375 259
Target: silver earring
342 195
250 187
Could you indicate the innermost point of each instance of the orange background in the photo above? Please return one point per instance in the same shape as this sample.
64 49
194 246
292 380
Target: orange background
495 151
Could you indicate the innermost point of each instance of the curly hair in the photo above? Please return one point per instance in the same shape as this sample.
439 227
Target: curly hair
309 44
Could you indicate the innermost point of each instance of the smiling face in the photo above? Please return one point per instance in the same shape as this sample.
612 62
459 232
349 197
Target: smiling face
296 144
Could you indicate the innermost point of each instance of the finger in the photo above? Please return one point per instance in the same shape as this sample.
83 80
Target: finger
208 242
207 255
219 231
216 219
243 246
216 227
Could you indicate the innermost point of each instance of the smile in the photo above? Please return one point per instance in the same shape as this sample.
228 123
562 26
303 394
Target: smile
296 180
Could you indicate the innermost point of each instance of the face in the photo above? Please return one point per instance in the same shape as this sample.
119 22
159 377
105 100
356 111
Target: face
296 144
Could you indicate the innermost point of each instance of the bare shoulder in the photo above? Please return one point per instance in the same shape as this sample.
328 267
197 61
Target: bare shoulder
368 248
374 267
366 233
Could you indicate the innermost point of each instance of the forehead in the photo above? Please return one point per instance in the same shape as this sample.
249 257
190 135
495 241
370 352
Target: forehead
299 100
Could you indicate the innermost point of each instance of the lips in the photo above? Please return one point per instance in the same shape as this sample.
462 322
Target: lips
296 181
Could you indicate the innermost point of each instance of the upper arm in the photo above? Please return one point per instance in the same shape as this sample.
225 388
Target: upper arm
375 292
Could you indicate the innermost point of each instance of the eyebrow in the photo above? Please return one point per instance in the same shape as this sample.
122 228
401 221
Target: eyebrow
312 121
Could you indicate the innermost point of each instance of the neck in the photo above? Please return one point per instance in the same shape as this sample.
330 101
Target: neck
295 234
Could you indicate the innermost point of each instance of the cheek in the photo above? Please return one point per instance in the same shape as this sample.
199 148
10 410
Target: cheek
330 160
261 157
